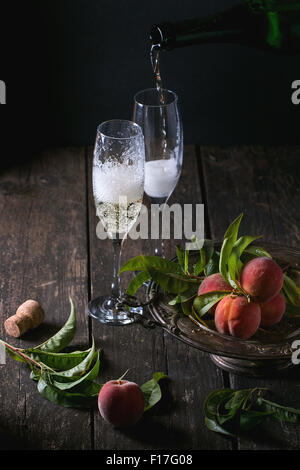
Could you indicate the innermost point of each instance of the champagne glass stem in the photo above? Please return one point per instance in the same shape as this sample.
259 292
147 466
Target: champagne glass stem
159 248
162 248
162 242
156 247
117 255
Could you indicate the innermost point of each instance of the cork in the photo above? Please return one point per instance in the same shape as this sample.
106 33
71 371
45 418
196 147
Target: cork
29 315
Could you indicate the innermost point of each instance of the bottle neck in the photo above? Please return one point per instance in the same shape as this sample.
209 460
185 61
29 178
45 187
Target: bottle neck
266 24
227 26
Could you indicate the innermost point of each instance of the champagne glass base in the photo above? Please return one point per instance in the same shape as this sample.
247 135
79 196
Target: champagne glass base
104 309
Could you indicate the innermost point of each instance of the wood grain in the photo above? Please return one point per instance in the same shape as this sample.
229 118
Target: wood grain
50 250
44 257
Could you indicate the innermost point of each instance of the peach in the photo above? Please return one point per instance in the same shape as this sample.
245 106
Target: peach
272 311
237 317
121 403
212 283
262 279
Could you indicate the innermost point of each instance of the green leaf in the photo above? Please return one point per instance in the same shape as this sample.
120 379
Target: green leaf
137 282
206 252
188 295
171 282
204 302
230 238
151 390
253 252
212 405
82 367
292 310
186 261
141 263
215 399
180 256
13 354
234 264
233 228
212 266
64 336
69 399
224 257
284 414
257 251
213 425
67 383
233 405
291 290
57 361
35 374
186 308
249 419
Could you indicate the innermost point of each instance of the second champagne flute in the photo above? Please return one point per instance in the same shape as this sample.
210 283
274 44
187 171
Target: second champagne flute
158 115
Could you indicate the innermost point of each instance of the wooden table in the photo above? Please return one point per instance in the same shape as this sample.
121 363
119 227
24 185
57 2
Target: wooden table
49 251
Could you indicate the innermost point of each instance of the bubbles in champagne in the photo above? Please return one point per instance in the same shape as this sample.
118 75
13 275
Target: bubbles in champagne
118 192
161 177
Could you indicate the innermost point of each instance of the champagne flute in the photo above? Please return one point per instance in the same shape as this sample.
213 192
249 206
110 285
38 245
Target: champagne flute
156 111
118 187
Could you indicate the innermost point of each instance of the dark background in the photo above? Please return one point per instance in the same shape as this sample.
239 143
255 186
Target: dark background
70 64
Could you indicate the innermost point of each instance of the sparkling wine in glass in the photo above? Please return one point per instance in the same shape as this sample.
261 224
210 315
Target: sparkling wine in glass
118 186
156 111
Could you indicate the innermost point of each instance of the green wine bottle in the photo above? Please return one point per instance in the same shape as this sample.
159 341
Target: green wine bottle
264 24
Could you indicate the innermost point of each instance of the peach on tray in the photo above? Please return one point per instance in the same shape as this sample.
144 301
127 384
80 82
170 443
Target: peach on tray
262 279
238 317
272 311
214 282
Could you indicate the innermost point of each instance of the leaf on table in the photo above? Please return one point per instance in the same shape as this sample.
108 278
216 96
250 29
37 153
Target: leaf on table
152 391
249 419
212 406
232 406
83 366
84 399
76 382
14 354
64 336
58 361
213 425
285 414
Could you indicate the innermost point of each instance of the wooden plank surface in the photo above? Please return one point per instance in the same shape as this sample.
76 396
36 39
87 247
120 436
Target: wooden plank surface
43 256
264 184
50 251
